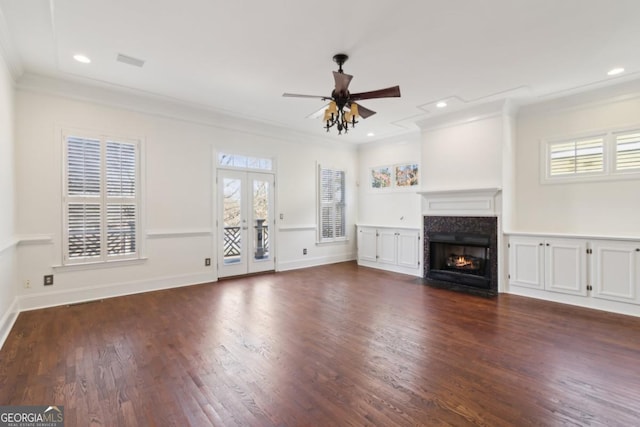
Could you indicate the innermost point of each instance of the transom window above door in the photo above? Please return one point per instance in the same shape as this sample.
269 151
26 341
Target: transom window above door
239 161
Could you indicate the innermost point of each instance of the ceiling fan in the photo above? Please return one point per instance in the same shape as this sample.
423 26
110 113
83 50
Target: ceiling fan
341 99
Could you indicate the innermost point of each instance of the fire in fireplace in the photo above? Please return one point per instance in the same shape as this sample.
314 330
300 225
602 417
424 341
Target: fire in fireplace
463 262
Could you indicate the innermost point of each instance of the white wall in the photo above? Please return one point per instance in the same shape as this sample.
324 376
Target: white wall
389 207
8 275
178 191
593 208
463 154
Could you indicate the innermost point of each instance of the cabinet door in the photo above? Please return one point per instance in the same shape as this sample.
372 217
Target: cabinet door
616 271
566 266
387 246
526 262
408 242
367 244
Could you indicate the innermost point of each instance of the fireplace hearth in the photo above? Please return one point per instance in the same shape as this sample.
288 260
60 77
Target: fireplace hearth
461 253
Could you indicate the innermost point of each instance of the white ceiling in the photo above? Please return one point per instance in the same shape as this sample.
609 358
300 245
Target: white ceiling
239 56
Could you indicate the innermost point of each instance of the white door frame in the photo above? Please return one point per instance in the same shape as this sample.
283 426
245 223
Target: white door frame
245 255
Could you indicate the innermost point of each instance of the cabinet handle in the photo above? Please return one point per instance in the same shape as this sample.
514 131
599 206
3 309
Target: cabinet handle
548 244
637 249
541 244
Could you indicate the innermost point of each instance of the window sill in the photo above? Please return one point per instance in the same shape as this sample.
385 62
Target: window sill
334 242
99 264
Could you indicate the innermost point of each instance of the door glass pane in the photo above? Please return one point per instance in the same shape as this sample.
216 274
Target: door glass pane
232 247
261 216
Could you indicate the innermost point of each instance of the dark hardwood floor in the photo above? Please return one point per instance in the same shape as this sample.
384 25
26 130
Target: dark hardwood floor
332 345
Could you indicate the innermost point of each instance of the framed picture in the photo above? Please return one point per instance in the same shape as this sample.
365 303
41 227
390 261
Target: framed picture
406 175
381 177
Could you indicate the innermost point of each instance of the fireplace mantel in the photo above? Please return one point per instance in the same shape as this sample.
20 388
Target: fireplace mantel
461 202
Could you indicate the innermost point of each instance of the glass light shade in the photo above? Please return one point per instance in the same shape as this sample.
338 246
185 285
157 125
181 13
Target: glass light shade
333 108
354 109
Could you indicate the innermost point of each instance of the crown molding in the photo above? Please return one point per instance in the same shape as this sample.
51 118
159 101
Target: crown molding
601 96
114 96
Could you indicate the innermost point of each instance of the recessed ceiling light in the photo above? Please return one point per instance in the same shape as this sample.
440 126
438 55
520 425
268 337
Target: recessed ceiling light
82 58
615 71
441 104
371 134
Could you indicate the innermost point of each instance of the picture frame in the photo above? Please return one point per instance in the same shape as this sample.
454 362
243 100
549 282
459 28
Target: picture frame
381 177
406 175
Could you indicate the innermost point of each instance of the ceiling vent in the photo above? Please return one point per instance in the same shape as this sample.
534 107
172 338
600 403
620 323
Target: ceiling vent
130 60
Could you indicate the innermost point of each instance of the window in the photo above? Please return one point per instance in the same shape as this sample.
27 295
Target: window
611 154
238 161
628 151
576 157
332 210
101 200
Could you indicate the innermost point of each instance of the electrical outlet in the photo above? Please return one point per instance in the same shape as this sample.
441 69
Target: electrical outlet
304 251
48 279
207 262
27 284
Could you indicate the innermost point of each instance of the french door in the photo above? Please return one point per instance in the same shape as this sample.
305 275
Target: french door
245 222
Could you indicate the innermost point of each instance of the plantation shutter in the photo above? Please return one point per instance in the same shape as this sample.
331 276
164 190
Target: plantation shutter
121 198
83 198
577 157
332 205
628 151
101 201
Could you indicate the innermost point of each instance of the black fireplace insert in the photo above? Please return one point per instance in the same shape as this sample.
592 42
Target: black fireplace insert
462 258
461 253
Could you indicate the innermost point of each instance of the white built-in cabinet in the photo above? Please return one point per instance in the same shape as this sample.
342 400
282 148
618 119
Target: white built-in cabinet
590 268
556 265
388 248
616 271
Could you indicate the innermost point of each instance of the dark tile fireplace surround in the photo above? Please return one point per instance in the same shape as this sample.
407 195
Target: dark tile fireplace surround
461 253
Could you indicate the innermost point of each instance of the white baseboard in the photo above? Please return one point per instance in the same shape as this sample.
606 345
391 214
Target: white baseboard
390 267
7 321
314 262
78 295
580 301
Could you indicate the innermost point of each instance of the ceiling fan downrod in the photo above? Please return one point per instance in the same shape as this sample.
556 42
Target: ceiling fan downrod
340 58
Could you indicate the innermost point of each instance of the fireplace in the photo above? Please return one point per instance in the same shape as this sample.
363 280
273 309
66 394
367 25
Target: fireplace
461 253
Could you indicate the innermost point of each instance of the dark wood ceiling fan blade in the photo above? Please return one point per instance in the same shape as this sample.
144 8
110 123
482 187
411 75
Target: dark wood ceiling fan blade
342 81
364 112
297 95
390 92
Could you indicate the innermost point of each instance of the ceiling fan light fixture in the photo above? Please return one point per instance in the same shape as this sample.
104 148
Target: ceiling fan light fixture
342 110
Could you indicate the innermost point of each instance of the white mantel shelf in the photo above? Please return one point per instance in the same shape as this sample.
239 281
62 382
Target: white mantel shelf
461 201
471 192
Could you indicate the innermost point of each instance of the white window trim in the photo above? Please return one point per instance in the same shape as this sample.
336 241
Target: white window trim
609 173
319 239
104 260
